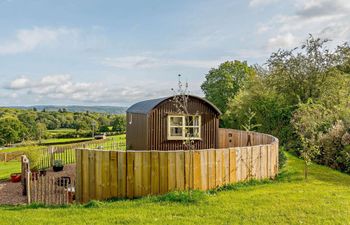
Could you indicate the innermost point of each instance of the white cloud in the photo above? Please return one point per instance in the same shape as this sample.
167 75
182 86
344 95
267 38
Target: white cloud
287 40
139 62
256 3
29 39
19 83
63 89
322 18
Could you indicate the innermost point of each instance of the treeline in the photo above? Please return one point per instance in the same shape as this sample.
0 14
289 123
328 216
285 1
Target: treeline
29 125
301 96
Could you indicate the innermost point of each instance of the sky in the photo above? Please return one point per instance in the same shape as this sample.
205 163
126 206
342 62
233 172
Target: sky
99 52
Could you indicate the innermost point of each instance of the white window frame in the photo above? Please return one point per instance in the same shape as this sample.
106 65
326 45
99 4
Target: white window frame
184 126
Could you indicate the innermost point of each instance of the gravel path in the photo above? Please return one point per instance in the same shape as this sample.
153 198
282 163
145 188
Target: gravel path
11 193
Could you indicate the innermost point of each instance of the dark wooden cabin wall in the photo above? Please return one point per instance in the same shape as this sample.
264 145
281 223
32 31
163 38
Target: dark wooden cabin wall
157 136
136 132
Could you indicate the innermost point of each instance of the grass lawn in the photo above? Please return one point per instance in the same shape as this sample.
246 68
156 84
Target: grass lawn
323 199
54 141
23 148
6 168
61 130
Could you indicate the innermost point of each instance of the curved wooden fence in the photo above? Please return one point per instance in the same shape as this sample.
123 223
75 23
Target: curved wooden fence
129 174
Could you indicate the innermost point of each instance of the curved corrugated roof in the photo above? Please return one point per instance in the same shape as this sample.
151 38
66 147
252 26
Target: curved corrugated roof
145 107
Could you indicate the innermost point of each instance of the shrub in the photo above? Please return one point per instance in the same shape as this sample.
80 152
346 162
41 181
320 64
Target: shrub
334 150
57 163
35 156
282 159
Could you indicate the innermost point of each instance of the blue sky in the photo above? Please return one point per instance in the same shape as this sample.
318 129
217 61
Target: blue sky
119 52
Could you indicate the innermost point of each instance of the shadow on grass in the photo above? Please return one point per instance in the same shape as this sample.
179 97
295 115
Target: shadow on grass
33 206
182 197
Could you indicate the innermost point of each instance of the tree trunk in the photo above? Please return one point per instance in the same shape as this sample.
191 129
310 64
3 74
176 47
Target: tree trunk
305 171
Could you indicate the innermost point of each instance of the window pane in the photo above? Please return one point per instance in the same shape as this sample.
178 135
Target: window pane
176 131
192 120
192 132
196 121
175 121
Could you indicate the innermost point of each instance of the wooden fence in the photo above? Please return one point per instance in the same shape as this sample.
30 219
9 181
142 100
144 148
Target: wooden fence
50 190
66 153
46 189
106 174
9 156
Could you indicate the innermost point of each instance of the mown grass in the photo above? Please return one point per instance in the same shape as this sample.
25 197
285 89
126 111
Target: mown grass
6 168
323 199
54 141
61 131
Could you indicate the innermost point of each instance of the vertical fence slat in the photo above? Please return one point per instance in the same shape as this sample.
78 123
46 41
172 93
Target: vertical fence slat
98 175
138 174
106 189
232 166
146 173
121 174
130 174
211 169
171 171
196 166
225 166
204 170
180 170
218 167
78 188
85 174
114 174
155 173
163 171
188 171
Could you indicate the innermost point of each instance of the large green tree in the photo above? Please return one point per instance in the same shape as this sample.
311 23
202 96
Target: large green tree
11 130
300 74
222 84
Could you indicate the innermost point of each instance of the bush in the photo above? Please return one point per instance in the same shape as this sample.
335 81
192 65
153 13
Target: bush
35 156
333 146
282 158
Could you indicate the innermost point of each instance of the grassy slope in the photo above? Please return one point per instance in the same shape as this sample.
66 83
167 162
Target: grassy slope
323 199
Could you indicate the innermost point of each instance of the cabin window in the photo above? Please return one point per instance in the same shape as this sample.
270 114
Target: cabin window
183 127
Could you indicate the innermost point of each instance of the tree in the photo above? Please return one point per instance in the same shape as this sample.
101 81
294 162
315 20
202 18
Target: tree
310 120
41 129
119 124
28 118
180 101
223 83
271 111
300 73
11 130
104 128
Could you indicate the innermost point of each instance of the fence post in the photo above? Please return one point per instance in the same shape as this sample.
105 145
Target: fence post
28 186
5 156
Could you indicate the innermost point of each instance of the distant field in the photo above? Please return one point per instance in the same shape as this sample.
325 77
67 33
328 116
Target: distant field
53 141
63 130
23 148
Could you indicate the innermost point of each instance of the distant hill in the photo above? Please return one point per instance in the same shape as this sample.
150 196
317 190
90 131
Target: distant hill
77 108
